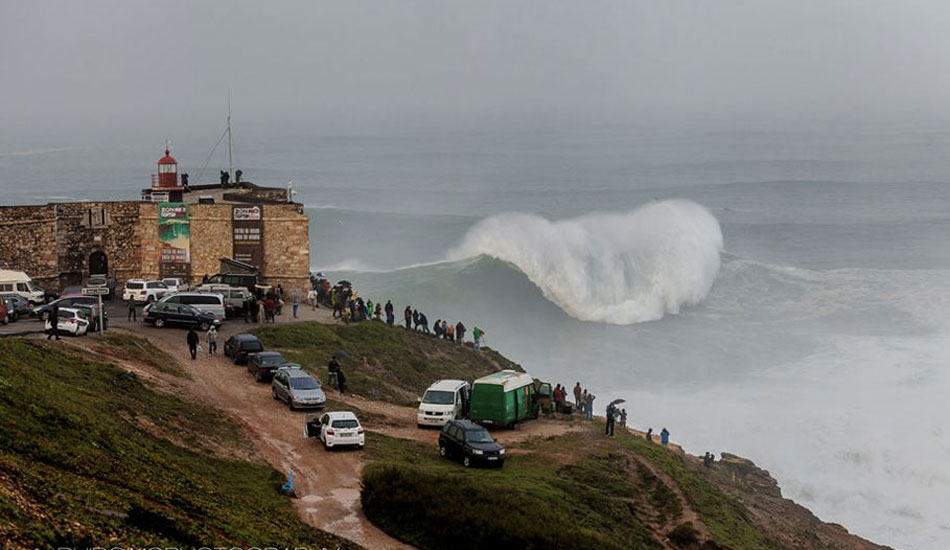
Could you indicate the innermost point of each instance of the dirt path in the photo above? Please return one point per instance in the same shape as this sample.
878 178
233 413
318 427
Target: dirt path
327 483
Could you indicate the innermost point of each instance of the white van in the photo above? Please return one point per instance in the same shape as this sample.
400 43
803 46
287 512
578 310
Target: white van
19 283
443 401
207 302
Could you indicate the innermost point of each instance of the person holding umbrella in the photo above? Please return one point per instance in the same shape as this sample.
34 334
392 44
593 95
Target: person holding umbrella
612 416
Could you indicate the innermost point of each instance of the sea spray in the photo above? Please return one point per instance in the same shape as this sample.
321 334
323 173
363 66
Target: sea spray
619 268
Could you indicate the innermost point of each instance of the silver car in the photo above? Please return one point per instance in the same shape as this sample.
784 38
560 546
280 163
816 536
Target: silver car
297 388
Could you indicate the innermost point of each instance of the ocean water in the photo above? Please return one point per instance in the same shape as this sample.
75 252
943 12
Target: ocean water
784 296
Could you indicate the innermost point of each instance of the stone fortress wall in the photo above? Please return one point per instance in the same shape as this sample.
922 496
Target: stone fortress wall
58 244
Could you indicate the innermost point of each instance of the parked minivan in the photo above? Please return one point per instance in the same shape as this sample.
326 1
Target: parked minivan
18 282
445 400
207 302
234 296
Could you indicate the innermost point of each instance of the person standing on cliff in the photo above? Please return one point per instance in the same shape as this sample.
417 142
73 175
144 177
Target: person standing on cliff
192 342
577 396
130 304
590 406
296 302
407 315
390 315
459 332
664 437
611 420
477 336
649 435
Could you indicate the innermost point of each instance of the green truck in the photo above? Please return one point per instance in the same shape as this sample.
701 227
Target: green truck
503 398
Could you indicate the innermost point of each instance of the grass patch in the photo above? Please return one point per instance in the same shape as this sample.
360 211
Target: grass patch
533 502
75 469
727 520
399 366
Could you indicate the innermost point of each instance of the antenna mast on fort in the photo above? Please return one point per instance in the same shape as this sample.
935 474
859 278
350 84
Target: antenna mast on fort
230 168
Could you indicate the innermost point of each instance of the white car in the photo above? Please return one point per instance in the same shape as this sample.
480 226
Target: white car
444 400
71 321
141 290
336 429
174 284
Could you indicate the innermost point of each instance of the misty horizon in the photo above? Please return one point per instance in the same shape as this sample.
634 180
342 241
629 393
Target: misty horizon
114 68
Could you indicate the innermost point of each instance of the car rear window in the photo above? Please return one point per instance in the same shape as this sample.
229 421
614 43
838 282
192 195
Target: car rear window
135 285
253 345
346 423
156 285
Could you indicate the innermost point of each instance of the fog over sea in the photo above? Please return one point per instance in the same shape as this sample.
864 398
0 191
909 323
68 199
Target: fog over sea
784 296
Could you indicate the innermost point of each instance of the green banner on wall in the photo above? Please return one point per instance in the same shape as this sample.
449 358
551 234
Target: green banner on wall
174 237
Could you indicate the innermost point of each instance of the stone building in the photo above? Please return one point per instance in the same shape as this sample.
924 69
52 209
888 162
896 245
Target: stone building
61 244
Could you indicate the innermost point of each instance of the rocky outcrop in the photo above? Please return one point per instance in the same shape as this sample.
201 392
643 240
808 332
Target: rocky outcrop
789 524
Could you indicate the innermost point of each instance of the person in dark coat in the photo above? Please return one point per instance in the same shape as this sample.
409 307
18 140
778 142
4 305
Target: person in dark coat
407 314
649 435
193 342
611 411
459 332
424 321
415 319
341 381
53 323
390 315
437 328
131 307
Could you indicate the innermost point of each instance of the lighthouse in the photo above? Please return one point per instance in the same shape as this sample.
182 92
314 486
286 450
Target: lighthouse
165 186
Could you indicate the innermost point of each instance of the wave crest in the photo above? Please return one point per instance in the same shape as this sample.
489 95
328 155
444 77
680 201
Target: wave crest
618 268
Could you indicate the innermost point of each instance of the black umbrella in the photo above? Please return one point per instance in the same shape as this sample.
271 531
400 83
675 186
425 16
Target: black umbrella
344 283
617 402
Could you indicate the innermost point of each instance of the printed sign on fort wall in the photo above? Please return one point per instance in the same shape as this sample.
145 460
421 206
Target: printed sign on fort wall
174 237
248 235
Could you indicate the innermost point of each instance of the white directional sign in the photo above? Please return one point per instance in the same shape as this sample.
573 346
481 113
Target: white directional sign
95 290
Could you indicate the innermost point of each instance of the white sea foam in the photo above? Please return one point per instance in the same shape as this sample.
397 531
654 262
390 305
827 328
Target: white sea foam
619 268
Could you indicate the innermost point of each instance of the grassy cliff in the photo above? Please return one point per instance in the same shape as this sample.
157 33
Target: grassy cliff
399 364
89 456
574 491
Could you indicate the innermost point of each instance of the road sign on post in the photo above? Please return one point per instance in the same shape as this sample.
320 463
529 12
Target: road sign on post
97 291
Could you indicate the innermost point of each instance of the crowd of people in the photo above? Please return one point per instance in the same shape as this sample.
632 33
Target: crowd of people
348 306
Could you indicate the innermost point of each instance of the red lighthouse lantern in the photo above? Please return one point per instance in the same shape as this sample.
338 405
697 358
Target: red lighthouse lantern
165 186
167 171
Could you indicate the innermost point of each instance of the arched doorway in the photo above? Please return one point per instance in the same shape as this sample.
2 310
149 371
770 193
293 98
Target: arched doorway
98 263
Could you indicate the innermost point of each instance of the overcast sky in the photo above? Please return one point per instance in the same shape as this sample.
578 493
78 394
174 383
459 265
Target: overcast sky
343 64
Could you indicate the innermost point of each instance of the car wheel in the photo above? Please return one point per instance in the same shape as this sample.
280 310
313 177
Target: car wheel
443 452
290 405
273 393
325 446
258 377
15 316
44 316
150 299
159 323
467 462
205 326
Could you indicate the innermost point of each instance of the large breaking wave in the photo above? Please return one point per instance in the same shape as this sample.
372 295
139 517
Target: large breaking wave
618 268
